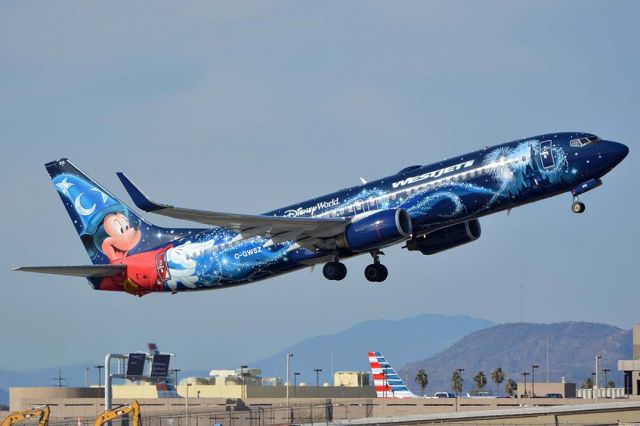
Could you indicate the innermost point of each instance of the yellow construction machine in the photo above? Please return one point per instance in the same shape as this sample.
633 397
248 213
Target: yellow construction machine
107 416
41 411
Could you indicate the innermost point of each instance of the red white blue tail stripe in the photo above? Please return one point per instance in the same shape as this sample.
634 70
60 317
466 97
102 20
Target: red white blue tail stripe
165 388
387 382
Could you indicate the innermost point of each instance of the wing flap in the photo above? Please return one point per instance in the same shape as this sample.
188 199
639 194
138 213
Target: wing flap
86 271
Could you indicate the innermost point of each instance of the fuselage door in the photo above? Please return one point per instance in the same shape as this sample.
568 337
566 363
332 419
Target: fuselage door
546 155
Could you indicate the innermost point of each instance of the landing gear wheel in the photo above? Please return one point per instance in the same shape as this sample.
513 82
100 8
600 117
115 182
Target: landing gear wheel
334 271
578 207
376 272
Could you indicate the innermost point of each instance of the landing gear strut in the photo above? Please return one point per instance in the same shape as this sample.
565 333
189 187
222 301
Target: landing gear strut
376 272
334 271
577 206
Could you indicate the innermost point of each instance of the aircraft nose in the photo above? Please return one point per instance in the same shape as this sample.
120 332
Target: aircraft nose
617 151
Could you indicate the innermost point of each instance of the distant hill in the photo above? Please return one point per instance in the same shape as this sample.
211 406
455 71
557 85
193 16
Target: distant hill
401 341
515 347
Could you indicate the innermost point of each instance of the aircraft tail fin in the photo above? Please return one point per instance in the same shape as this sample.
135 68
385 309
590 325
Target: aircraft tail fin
109 230
387 382
165 388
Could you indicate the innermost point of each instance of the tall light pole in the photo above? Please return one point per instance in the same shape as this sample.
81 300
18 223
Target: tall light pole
242 391
533 380
460 370
525 374
295 384
596 387
606 383
99 367
186 405
289 356
317 370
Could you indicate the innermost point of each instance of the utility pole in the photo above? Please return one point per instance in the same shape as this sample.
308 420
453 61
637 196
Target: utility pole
606 383
99 368
547 358
295 384
525 374
317 370
186 405
175 375
533 380
242 374
59 379
596 388
86 377
289 356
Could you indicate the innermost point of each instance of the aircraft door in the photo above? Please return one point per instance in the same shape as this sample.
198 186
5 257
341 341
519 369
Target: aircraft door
546 155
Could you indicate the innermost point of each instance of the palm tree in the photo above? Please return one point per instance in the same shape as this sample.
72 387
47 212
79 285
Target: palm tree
588 383
611 384
497 376
456 382
510 387
480 380
422 379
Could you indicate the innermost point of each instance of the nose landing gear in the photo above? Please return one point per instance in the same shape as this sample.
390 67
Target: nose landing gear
577 206
376 272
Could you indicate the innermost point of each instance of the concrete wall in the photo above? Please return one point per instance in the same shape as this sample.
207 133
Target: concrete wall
567 390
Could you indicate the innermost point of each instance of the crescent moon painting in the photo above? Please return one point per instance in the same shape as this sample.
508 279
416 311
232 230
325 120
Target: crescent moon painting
81 210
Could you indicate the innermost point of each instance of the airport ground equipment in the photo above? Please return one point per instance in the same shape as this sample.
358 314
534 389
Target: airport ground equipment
107 416
41 411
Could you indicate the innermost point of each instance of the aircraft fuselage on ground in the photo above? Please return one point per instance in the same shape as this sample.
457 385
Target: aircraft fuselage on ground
429 208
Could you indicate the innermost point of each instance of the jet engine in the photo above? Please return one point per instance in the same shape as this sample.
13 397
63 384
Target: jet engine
376 230
446 238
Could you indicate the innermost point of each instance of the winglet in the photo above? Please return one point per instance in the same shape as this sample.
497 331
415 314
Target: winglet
139 199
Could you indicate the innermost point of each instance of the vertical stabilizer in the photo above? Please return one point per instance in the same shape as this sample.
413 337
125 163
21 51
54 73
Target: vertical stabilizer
387 382
165 388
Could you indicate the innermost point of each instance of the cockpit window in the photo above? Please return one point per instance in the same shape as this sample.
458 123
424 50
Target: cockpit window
579 143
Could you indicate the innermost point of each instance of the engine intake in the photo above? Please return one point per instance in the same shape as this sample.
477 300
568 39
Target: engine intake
376 230
446 238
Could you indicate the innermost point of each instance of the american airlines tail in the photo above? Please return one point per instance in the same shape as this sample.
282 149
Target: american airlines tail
387 382
165 388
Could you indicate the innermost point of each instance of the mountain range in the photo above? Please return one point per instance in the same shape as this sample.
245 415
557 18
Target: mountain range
516 347
401 341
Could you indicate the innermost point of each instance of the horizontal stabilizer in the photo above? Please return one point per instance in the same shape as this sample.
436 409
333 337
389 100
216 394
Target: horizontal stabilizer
86 271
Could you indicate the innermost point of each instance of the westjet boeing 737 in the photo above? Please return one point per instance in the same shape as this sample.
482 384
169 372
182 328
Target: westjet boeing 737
429 208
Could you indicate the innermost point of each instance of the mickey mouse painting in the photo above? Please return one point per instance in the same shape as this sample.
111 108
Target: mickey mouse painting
102 222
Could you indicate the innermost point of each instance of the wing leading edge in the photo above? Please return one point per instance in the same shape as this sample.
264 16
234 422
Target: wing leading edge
305 231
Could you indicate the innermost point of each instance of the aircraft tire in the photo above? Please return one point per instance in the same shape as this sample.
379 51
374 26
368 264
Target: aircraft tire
578 207
334 271
376 273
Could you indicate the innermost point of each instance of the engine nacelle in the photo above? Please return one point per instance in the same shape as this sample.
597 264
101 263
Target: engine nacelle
446 238
376 230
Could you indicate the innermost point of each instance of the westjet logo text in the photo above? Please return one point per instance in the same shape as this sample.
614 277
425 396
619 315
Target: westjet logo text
433 174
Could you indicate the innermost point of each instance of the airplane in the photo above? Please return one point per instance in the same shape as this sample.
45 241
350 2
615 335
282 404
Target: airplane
387 382
429 208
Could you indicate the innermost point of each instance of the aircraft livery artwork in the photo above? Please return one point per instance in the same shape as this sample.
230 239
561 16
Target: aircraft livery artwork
431 208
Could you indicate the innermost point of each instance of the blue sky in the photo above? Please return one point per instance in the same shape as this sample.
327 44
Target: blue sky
248 106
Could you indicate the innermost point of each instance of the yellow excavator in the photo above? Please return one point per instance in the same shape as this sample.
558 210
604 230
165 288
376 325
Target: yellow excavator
41 411
107 416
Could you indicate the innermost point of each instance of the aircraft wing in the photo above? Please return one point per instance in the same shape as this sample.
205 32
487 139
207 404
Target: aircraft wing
307 232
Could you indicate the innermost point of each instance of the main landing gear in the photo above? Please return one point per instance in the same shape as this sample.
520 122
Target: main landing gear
335 270
376 272
577 206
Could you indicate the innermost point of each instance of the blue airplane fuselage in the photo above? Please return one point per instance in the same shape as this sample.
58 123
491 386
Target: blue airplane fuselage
436 197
